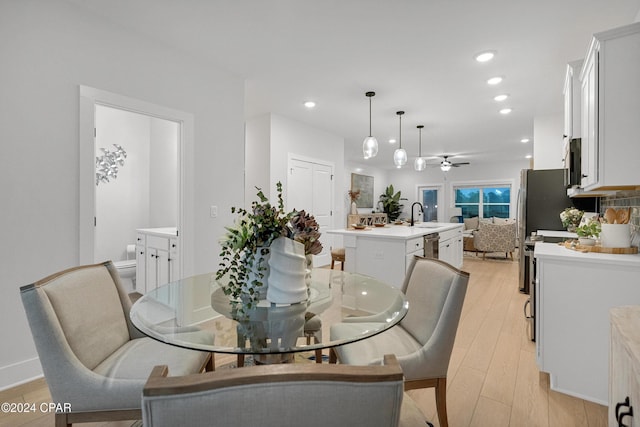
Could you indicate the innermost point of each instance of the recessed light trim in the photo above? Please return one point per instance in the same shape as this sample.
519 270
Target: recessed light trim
392 141
528 156
485 56
506 111
309 104
501 97
524 140
495 80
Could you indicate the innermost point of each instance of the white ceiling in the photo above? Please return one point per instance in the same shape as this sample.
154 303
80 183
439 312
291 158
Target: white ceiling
417 55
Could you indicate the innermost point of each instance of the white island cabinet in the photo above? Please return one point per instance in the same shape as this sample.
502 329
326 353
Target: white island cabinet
574 293
385 252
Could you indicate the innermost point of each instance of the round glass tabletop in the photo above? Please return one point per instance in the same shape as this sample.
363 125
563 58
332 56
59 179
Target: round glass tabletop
195 313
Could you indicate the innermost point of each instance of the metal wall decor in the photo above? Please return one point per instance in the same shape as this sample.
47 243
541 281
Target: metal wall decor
107 163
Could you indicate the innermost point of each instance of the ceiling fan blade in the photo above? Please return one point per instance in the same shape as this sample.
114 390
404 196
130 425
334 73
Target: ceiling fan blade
460 164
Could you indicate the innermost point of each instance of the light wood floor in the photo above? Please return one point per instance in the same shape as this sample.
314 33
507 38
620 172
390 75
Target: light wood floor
493 378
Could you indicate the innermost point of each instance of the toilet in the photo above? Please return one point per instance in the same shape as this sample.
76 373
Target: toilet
127 268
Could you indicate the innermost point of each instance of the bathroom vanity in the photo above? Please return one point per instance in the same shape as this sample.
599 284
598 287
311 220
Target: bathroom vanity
157 256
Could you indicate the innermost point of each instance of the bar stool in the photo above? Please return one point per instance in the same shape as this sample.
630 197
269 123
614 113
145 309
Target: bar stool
337 255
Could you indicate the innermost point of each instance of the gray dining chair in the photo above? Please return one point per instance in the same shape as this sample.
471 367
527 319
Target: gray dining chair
281 395
92 356
424 339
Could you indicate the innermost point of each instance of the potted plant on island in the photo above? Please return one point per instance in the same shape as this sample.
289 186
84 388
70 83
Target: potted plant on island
353 196
246 246
589 232
391 203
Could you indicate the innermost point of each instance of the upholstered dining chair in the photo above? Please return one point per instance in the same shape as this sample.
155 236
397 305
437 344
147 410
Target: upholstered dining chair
424 339
92 356
290 394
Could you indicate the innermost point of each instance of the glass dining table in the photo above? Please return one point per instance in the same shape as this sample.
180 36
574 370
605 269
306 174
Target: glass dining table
195 313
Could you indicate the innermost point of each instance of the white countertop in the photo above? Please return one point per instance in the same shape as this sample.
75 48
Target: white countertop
557 233
403 232
162 231
555 251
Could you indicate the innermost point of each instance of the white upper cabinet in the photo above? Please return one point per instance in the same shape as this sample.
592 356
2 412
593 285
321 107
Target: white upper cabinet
572 101
610 110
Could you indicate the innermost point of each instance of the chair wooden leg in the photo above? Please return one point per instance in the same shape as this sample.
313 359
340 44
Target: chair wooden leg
484 254
332 263
211 364
61 420
240 360
318 356
511 254
342 265
333 357
441 401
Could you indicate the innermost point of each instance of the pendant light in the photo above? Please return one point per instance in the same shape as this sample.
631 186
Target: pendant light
370 144
400 155
420 163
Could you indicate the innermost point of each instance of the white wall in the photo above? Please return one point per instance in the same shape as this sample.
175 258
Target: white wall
163 173
51 48
547 141
407 180
257 155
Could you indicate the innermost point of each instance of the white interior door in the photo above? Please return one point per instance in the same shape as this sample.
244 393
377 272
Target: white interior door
310 187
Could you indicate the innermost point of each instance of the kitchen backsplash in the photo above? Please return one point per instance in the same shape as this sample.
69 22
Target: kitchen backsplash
624 199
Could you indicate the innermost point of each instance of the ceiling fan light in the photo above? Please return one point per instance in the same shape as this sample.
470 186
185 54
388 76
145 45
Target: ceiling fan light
445 167
370 147
400 157
420 164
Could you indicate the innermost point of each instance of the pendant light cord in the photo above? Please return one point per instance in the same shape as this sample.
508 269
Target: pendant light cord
369 116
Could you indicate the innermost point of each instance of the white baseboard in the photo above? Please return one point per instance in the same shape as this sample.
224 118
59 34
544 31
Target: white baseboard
20 373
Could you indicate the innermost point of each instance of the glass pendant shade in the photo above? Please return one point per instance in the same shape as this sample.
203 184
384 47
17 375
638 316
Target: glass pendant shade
370 147
420 164
400 157
370 144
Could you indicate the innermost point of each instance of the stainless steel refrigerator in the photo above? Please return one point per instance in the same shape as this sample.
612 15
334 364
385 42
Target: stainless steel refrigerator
541 198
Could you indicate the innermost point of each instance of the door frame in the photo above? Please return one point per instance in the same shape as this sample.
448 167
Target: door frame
90 97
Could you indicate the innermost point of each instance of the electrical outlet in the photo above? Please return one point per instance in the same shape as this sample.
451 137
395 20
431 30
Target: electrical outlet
213 211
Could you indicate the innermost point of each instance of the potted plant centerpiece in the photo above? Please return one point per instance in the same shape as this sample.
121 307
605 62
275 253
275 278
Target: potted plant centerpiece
265 238
589 232
570 218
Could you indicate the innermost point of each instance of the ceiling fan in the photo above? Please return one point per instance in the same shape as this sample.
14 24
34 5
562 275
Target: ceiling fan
446 164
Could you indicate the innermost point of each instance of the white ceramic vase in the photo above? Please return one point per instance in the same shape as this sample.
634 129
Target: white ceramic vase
287 265
586 241
615 236
354 208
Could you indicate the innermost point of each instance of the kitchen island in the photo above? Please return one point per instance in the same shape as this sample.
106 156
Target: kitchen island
385 252
574 292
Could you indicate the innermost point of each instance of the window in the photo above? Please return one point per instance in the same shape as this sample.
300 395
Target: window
484 201
430 196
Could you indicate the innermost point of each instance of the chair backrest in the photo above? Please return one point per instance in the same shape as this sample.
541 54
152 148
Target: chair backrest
496 237
435 291
310 395
81 312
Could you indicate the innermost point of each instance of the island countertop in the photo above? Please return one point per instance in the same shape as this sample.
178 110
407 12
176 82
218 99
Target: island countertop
402 232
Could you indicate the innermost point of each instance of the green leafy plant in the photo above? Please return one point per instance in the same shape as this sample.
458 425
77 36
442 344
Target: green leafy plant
391 203
591 229
245 245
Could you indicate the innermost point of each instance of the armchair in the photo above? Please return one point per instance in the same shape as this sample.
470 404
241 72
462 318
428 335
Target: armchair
495 238
423 341
278 395
91 355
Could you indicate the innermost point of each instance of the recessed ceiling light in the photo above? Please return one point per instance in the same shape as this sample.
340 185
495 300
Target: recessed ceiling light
500 98
485 56
524 140
528 156
494 80
309 104
358 169
392 141
505 111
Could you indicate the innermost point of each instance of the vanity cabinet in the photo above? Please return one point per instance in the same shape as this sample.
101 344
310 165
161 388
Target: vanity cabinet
624 366
157 258
450 247
610 106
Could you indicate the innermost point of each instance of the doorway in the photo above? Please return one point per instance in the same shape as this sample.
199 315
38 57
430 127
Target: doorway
431 198
149 187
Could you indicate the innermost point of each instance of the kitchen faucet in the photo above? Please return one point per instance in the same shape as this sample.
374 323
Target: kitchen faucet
421 211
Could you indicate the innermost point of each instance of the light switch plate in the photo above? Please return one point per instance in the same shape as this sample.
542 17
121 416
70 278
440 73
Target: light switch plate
213 211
